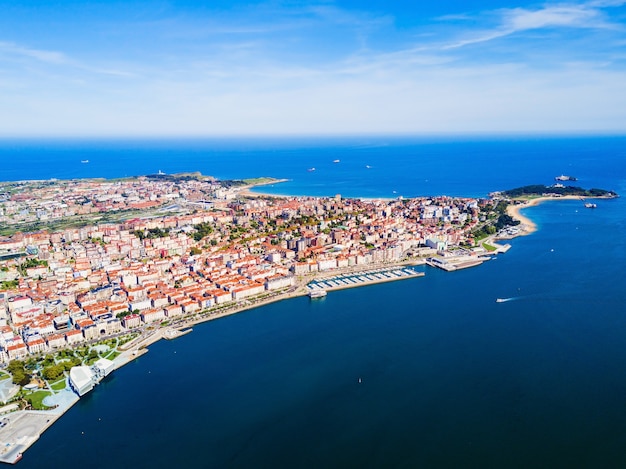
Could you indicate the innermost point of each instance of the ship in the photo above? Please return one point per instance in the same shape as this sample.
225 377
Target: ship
590 205
336 161
563 177
310 170
84 161
317 293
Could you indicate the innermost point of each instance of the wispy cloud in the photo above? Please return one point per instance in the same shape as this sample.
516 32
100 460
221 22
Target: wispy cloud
57 58
47 56
276 68
511 21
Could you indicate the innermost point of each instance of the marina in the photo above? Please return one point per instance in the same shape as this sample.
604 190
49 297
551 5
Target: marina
339 282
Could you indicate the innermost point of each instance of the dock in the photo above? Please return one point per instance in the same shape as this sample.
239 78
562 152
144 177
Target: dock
363 278
171 334
455 263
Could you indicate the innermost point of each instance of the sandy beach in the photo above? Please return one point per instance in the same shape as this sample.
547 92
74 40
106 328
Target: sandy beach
527 225
247 191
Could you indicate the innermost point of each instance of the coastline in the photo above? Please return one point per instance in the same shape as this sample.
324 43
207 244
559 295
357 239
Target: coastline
247 191
138 346
527 226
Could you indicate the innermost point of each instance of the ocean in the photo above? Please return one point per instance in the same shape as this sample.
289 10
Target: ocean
427 372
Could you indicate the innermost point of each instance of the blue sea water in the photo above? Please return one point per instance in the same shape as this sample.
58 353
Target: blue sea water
397 166
426 372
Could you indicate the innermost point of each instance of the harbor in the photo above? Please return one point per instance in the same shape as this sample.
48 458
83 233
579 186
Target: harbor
359 279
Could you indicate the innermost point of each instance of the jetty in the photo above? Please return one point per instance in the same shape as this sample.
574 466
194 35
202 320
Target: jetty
171 334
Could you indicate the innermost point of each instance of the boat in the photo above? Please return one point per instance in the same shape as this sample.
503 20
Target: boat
310 170
317 293
84 161
563 177
336 161
500 300
590 205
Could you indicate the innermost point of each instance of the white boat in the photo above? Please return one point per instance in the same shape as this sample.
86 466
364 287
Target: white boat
310 170
336 161
590 205
84 161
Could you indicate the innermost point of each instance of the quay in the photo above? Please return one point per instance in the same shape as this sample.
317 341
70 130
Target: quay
457 263
171 334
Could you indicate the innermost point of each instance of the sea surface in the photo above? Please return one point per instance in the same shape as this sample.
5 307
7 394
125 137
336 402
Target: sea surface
426 372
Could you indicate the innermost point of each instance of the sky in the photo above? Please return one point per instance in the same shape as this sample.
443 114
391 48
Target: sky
148 68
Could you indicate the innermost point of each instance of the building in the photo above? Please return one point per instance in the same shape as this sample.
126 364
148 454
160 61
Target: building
131 321
82 379
73 337
104 367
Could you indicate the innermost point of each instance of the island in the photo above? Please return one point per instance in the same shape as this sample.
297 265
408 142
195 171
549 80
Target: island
93 271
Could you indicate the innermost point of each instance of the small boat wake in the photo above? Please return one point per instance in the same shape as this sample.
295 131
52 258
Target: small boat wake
505 300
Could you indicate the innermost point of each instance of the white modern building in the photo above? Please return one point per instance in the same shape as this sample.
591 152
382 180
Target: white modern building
104 366
82 379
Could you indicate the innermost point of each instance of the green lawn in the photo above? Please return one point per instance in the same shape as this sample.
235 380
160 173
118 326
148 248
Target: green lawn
4 376
489 247
113 355
36 399
59 385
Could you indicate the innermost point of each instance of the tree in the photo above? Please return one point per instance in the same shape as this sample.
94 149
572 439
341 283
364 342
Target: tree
17 370
53 372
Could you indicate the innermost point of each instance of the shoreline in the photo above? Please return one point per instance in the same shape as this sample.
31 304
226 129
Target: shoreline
294 292
139 346
248 191
527 226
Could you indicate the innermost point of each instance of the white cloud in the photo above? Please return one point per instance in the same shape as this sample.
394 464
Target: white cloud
512 21
51 57
242 85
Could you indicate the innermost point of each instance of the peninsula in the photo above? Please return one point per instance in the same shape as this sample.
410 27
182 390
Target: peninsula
93 271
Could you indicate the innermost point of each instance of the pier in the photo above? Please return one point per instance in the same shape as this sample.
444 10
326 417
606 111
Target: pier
455 263
368 277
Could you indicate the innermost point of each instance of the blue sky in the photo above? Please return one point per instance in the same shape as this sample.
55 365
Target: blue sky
181 68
